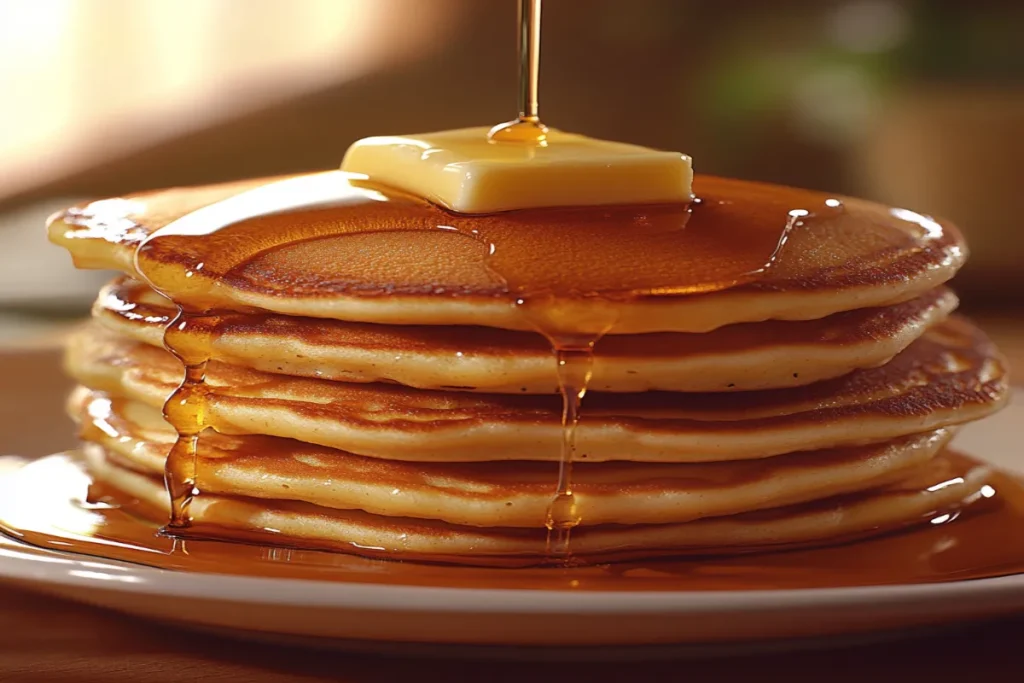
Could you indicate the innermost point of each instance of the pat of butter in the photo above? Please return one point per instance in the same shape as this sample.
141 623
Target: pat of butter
466 172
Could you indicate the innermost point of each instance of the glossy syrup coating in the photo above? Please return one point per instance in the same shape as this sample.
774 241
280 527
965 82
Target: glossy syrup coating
346 238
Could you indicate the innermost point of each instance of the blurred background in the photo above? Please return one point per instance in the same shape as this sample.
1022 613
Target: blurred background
918 103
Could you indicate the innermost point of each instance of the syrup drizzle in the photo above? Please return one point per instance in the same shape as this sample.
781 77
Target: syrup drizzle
187 337
575 366
527 128
574 353
573 350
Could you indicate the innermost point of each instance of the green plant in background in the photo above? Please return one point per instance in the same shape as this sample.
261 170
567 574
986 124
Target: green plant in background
958 41
821 72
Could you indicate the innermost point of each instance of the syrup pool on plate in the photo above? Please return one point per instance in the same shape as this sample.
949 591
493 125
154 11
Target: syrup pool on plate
44 504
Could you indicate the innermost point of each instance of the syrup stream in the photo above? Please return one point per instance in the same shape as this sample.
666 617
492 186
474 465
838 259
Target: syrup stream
527 128
529 60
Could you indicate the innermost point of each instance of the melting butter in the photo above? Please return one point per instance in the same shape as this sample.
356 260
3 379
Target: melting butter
468 171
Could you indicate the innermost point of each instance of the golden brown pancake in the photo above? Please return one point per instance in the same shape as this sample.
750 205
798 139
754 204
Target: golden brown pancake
953 374
743 252
941 486
739 357
778 367
503 494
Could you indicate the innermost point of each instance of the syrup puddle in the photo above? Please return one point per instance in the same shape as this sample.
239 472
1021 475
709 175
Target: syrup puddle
37 506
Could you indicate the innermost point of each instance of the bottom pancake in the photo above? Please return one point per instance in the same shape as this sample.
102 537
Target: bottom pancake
942 486
495 494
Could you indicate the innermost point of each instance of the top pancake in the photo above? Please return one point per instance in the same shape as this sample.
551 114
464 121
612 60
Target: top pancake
328 245
944 485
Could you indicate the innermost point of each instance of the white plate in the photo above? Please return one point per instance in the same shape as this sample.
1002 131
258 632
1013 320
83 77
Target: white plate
338 613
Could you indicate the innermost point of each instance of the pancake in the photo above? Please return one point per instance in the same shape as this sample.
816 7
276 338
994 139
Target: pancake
502 494
371 373
951 375
942 486
329 245
739 357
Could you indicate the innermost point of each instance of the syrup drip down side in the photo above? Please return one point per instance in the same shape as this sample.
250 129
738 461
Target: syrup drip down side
187 337
572 344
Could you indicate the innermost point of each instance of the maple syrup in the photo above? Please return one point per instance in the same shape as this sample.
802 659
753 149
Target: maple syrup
185 408
527 128
573 329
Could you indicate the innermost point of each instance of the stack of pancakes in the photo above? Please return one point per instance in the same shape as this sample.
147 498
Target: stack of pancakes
812 406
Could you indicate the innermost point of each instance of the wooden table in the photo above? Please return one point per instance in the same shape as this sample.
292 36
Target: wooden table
49 640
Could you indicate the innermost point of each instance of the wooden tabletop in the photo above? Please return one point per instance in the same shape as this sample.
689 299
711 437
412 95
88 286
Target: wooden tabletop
49 640
45 639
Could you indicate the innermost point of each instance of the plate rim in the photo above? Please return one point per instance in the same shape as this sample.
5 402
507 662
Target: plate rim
23 562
